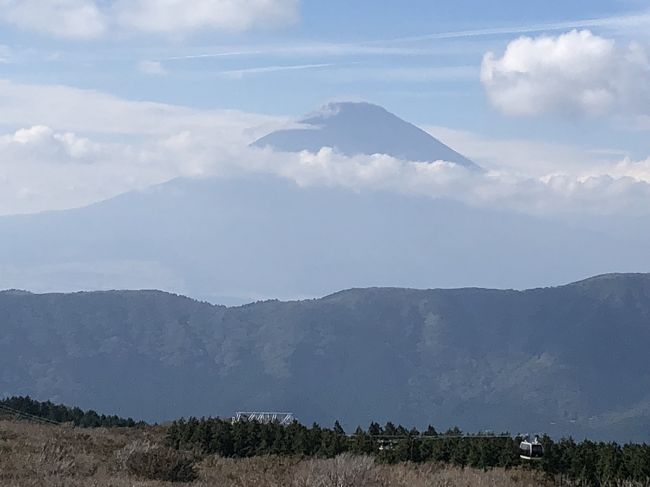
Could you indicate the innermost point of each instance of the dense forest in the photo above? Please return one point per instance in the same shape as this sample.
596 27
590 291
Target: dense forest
536 360
587 462
26 407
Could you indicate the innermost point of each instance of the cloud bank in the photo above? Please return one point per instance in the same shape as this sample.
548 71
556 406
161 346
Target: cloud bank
62 147
93 19
56 152
577 73
621 187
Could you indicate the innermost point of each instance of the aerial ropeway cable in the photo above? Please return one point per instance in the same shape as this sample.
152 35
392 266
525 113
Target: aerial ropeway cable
22 414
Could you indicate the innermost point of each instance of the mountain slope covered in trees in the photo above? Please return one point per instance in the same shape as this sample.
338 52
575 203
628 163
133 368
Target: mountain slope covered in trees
564 360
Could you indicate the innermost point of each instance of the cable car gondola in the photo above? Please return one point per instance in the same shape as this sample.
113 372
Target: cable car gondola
531 450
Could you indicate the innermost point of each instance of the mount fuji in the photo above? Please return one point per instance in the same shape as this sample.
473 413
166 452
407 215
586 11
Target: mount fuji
362 128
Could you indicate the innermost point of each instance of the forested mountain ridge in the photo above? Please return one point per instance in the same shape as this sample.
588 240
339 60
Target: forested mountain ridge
564 360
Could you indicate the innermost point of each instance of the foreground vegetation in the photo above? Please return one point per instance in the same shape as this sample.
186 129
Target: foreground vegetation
63 456
58 413
584 463
99 450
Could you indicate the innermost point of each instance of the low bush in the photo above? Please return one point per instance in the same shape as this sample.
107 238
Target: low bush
345 470
146 461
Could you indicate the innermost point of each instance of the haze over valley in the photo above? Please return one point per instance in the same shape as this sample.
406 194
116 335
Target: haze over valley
243 237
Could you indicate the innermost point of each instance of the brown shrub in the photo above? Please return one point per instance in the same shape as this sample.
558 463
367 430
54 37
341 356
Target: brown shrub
53 459
345 470
147 461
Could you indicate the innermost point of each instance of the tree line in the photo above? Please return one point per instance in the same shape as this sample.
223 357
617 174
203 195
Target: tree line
59 413
587 462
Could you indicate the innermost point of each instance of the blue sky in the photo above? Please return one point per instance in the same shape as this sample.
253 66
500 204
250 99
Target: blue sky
420 59
429 81
109 63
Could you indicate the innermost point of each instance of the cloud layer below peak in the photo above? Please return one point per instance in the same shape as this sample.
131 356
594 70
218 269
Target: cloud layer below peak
57 156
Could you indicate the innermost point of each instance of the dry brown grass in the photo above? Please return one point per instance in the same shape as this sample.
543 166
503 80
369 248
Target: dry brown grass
39 455
352 471
50 456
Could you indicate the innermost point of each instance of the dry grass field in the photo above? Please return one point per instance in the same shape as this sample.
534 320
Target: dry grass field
63 456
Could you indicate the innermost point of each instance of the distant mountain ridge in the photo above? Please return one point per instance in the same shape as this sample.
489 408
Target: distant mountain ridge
363 128
568 360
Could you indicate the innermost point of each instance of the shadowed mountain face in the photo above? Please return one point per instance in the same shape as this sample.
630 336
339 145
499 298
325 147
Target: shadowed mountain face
565 360
362 128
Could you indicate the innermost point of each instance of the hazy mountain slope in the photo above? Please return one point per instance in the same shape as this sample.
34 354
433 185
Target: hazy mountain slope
567 360
235 240
267 237
363 128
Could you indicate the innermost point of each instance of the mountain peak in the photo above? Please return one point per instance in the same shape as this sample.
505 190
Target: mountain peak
354 128
346 109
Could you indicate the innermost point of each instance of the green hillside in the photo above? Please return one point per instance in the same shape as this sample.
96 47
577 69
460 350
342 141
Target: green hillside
569 360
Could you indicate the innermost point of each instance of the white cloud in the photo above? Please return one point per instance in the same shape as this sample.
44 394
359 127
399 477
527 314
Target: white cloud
64 147
574 73
91 19
152 68
45 169
639 170
180 16
75 19
41 143
70 147
622 187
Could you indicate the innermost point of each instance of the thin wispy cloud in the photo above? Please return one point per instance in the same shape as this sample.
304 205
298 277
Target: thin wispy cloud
407 74
307 50
395 47
610 22
240 73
